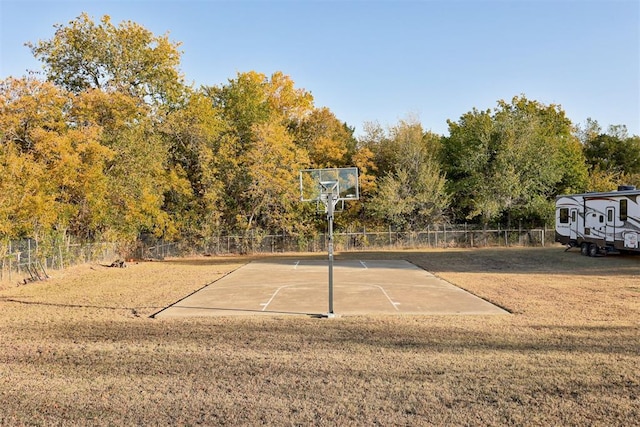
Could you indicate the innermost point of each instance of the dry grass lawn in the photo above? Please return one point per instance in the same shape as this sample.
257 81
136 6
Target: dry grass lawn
81 349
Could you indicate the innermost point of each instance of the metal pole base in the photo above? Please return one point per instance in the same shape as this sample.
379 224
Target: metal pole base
325 316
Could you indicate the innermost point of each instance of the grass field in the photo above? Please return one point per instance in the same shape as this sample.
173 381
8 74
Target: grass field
81 349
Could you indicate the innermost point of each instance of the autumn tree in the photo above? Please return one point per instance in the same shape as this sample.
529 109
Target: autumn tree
257 147
613 156
273 163
28 197
138 170
126 81
329 142
253 98
26 207
53 170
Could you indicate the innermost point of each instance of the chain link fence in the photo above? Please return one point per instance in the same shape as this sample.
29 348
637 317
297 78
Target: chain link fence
438 237
25 259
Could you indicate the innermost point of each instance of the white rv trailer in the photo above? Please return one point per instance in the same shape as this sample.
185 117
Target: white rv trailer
599 223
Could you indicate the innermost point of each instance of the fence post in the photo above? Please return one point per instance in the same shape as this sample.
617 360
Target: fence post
364 237
466 237
60 264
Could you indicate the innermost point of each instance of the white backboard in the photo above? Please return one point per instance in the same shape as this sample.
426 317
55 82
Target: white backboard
342 183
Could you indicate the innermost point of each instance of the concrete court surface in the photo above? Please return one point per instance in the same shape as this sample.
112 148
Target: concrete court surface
301 287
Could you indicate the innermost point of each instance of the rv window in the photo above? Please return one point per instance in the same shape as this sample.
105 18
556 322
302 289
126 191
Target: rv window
564 215
610 215
623 210
601 219
574 216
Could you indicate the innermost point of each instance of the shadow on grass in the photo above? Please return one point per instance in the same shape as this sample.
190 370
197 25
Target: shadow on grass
134 310
263 334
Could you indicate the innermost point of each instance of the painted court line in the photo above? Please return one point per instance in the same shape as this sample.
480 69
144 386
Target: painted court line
394 304
364 265
266 304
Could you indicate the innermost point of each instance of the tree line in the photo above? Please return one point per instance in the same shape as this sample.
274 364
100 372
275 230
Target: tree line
110 143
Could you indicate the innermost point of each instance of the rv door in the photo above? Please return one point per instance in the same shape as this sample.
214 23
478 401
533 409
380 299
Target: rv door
610 228
573 226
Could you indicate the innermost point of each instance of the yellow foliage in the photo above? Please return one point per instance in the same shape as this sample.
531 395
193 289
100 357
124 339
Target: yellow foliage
109 110
293 104
363 160
26 203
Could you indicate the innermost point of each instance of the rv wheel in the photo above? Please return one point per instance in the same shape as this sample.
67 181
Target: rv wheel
584 249
593 249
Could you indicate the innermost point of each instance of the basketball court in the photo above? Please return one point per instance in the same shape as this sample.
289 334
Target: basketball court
329 288
300 287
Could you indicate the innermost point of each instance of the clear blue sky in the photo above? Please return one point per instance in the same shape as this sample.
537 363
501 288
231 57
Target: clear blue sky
386 60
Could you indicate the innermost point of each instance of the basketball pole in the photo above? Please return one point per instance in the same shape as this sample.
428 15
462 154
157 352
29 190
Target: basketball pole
329 186
330 225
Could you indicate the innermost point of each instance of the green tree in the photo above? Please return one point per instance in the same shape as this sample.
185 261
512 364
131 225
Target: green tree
589 130
194 136
613 151
509 163
411 187
127 58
